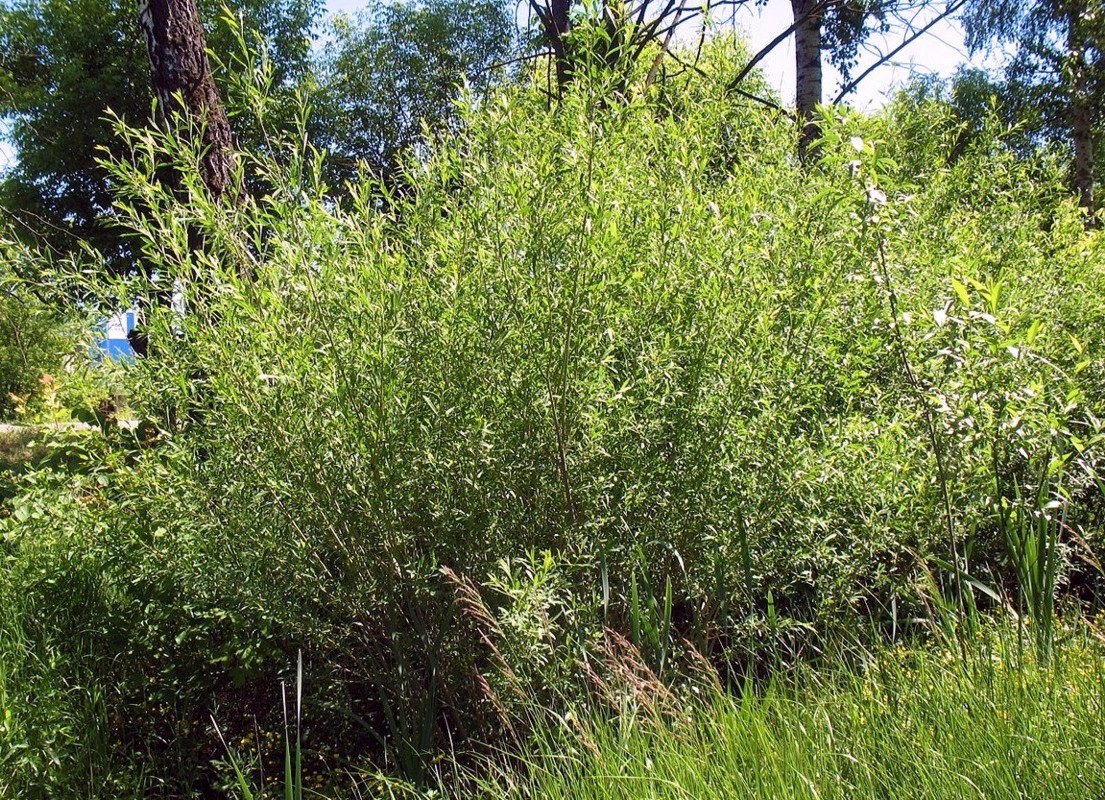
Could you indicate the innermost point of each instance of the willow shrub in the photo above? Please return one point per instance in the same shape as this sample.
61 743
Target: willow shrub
614 363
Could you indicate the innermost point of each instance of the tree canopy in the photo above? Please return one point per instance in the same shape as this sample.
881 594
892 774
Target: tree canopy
64 64
396 69
1057 71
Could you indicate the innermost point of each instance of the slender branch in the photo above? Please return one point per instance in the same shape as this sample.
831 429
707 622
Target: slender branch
512 61
927 412
542 16
947 12
17 218
764 101
650 32
664 49
756 59
748 95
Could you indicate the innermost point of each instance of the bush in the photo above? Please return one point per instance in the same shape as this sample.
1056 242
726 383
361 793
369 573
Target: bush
618 365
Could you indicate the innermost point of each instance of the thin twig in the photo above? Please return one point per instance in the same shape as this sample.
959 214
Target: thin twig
748 95
926 412
756 59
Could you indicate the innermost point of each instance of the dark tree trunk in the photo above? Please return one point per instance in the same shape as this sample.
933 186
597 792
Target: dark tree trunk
807 58
1082 131
182 83
613 19
556 22
561 24
1080 115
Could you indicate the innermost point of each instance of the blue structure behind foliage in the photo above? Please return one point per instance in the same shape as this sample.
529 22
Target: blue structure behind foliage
115 344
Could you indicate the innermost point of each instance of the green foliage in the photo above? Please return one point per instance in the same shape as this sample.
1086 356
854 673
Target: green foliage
1033 113
1056 69
63 66
394 73
55 723
130 648
35 337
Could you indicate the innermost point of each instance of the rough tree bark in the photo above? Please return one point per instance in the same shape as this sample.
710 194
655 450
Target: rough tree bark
807 58
558 33
182 82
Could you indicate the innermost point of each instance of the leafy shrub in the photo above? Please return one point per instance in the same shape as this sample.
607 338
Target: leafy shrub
55 704
610 365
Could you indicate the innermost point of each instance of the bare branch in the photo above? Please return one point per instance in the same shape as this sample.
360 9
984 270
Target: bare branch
756 59
664 49
947 12
735 90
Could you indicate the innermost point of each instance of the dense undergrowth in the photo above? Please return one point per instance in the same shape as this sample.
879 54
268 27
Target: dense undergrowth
615 381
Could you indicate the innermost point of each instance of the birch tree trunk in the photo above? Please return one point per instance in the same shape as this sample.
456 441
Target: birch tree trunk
807 58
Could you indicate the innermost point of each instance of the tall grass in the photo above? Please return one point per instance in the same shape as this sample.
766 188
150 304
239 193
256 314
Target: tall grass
912 724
